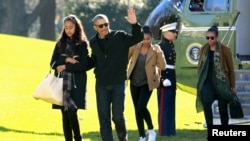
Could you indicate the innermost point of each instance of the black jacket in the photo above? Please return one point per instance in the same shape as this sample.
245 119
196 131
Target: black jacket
78 69
170 56
111 59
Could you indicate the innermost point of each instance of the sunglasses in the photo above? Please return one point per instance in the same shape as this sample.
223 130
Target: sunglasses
102 25
212 38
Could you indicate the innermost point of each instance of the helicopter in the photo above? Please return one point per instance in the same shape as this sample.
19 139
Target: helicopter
194 18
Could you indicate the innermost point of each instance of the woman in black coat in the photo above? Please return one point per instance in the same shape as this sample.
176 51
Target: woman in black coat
70 58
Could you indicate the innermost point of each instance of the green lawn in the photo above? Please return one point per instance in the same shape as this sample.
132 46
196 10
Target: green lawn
25 62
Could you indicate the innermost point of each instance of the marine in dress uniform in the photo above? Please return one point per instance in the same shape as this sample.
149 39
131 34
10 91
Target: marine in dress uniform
166 93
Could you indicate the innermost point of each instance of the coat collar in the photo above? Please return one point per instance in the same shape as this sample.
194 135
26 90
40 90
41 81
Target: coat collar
138 49
107 36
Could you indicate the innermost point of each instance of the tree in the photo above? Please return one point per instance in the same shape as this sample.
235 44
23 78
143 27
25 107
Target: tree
40 16
115 10
146 9
17 20
47 21
2 12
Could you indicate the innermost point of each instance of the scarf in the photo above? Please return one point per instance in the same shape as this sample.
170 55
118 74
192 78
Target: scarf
221 83
67 83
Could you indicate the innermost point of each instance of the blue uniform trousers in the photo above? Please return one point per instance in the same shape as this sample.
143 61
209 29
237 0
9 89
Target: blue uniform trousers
166 111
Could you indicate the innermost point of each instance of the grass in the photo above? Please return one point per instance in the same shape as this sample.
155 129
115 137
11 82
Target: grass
24 63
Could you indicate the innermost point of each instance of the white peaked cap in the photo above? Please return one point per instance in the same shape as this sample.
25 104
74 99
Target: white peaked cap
168 27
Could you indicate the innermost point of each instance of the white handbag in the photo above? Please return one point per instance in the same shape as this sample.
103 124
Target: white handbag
50 89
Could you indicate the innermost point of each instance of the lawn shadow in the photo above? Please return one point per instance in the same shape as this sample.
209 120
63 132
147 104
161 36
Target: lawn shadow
4 129
181 134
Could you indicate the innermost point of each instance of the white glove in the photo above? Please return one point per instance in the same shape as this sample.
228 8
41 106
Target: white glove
166 82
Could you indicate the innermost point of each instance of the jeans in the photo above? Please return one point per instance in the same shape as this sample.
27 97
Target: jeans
140 96
110 99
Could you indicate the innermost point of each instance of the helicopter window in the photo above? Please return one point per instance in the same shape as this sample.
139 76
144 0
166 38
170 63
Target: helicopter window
215 5
178 4
196 5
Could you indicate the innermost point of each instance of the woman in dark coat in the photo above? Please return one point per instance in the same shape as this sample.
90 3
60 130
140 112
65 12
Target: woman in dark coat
216 78
70 59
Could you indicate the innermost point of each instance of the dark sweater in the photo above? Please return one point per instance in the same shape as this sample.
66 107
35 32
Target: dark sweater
110 56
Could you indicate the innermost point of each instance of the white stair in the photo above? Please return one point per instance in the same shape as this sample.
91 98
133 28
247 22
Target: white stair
243 92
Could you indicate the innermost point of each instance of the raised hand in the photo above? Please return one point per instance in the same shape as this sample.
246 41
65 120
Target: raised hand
131 17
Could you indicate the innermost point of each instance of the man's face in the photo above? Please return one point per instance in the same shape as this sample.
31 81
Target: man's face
101 26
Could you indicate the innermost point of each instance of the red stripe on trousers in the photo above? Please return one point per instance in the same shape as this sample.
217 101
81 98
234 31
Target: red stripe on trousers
161 109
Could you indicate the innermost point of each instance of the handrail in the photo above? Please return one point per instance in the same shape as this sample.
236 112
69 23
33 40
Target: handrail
233 23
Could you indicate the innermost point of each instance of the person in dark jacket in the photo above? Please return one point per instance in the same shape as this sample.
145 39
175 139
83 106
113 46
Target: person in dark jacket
110 56
216 77
70 59
167 89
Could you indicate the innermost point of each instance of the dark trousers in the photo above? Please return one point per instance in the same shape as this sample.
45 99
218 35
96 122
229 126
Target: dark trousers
140 96
110 99
208 95
166 111
70 123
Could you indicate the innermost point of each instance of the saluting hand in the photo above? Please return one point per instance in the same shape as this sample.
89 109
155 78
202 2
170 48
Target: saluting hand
131 17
